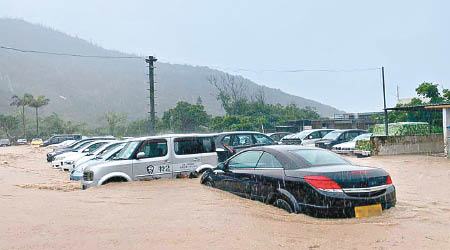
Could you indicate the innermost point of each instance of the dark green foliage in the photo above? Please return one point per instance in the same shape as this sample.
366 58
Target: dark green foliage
432 117
186 117
37 103
429 90
8 123
22 102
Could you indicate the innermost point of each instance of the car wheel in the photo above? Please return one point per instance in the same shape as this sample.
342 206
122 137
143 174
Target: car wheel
283 204
208 182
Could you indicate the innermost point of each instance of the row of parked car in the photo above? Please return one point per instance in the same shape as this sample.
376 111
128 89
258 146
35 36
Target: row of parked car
341 141
21 141
250 164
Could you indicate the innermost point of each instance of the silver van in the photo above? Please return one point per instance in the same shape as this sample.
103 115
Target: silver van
166 156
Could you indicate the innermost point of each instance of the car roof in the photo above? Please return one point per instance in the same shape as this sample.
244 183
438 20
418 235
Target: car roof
281 152
283 147
166 136
239 132
350 129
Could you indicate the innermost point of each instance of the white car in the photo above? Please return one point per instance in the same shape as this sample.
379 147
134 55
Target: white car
77 172
349 147
71 161
306 137
92 155
61 144
146 158
88 147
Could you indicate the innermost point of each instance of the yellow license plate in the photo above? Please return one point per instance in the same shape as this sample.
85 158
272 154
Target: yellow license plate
365 211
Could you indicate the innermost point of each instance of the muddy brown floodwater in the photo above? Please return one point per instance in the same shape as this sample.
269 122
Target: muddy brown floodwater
41 209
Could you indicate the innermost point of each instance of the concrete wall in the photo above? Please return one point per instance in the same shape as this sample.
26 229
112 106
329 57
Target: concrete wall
417 144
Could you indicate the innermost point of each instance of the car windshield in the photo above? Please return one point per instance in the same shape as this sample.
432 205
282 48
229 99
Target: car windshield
127 151
107 153
316 157
332 135
363 136
101 148
302 134
81 145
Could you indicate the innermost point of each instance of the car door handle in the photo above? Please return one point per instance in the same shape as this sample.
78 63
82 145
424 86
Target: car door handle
167 161
196 159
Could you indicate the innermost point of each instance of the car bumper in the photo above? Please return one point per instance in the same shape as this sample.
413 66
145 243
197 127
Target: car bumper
362 152
343 205
88 184
67 167
51 156
57 164
343 151
324 146
75 177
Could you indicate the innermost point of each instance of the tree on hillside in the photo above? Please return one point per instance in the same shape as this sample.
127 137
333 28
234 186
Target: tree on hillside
8 123
22 102
37 103
186 117
232 93
114 120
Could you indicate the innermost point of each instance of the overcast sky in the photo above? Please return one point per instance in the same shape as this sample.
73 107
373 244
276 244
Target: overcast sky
410 38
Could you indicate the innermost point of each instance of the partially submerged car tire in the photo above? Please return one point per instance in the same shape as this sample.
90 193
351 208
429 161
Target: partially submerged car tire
115 179
283 204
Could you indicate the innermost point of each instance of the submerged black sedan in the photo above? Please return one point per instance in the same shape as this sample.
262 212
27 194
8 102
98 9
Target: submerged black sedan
305 180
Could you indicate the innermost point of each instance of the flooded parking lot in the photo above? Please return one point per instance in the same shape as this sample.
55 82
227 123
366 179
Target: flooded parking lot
41 209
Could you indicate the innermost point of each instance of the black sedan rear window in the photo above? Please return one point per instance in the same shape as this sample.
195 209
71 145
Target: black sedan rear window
320 157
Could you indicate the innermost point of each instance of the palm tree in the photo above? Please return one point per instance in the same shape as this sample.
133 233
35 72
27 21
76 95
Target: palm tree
22 102
37 103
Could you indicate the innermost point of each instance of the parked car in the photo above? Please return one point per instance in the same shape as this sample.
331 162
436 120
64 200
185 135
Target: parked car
77 172
57 151
306 137
229 143
61 144
22 141
349 147
55 139
36 141
60 160
100 146
166 156
5 142
338 136
277 136
304 180
91 155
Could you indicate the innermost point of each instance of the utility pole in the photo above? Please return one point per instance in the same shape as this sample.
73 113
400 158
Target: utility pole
151 81
386 126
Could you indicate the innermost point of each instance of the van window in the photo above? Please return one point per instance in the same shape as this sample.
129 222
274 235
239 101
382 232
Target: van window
194 145
153 148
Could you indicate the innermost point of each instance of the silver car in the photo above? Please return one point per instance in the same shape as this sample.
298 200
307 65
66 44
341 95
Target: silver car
306 137
166 156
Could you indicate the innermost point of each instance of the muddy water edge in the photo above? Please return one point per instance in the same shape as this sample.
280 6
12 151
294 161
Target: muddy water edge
41 209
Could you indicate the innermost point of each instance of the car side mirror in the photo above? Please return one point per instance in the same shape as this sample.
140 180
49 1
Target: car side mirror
140 155
218 150
310 137
86 151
